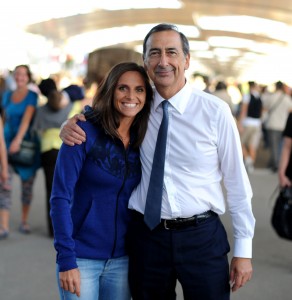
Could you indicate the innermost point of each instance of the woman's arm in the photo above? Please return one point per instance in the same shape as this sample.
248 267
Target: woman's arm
3 157
284 160
67 172
24 125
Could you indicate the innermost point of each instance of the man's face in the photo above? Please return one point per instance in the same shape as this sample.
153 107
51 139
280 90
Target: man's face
165 62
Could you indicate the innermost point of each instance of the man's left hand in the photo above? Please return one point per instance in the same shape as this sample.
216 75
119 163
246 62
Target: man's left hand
240 272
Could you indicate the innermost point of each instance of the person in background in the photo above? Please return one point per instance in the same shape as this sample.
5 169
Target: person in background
277 106
10 83
5 200
47 123
47 86
250 124
92 185
90 87
264 92
77 95
285 163
19 108
189 243
74 92
221 92
206 80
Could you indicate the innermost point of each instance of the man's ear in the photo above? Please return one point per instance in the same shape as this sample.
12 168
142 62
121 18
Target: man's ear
187 64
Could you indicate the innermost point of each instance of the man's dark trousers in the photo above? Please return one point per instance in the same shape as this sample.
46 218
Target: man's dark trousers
195 255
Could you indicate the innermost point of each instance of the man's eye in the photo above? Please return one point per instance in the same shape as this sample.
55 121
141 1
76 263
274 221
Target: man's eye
154 53
172 53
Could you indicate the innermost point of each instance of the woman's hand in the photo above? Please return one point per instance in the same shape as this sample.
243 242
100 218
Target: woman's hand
15 146
4 176
284 180
70 281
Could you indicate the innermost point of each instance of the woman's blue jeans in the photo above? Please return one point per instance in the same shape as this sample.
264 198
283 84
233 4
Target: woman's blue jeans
101 280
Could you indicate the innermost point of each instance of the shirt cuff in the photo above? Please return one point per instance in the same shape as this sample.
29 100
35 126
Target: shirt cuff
243 248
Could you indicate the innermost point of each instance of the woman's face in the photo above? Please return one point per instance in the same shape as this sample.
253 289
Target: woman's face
130 94
21 77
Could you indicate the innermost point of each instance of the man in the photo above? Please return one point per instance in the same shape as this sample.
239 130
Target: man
277 106
203 146
250 124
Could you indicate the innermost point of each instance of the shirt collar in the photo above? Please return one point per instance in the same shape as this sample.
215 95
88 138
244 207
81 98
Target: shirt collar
179 101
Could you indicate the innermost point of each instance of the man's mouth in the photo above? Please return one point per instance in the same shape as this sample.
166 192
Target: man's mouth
163 72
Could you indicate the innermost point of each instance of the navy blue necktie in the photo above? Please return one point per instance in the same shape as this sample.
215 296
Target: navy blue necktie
152 212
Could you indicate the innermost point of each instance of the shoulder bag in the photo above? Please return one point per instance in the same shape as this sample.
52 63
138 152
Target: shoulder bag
26 156
282 214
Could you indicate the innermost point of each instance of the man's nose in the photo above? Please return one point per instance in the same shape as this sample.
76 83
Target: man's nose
163 60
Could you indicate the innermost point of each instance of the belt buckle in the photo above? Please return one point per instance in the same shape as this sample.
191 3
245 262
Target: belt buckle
165 224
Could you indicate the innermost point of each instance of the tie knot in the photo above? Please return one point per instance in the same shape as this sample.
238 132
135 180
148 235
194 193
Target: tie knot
165 104
165 107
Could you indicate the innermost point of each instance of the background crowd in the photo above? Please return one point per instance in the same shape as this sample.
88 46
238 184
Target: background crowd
30 108
261 113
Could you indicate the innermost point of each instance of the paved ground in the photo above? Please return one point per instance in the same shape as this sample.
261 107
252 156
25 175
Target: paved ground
27 268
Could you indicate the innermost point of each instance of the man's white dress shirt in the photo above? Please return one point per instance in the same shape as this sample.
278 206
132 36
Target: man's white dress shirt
203 147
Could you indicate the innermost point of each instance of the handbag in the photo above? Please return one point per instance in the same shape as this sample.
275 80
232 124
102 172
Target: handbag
282 214
26 156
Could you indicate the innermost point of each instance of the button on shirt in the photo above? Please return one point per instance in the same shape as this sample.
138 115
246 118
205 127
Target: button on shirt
203 147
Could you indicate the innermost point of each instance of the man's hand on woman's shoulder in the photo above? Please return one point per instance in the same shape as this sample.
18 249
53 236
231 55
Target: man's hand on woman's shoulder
71 133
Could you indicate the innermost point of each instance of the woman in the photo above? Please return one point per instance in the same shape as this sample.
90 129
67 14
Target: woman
285 163
19 108
92 185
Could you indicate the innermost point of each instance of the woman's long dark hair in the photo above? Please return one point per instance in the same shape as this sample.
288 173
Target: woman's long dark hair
104 107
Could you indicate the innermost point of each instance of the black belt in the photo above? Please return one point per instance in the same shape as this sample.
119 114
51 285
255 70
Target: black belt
180 223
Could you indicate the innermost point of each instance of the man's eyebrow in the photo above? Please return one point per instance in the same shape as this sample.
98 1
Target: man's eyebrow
153 49
171 48
167 49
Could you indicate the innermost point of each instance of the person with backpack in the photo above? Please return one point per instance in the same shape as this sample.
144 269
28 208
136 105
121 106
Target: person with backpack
250 125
